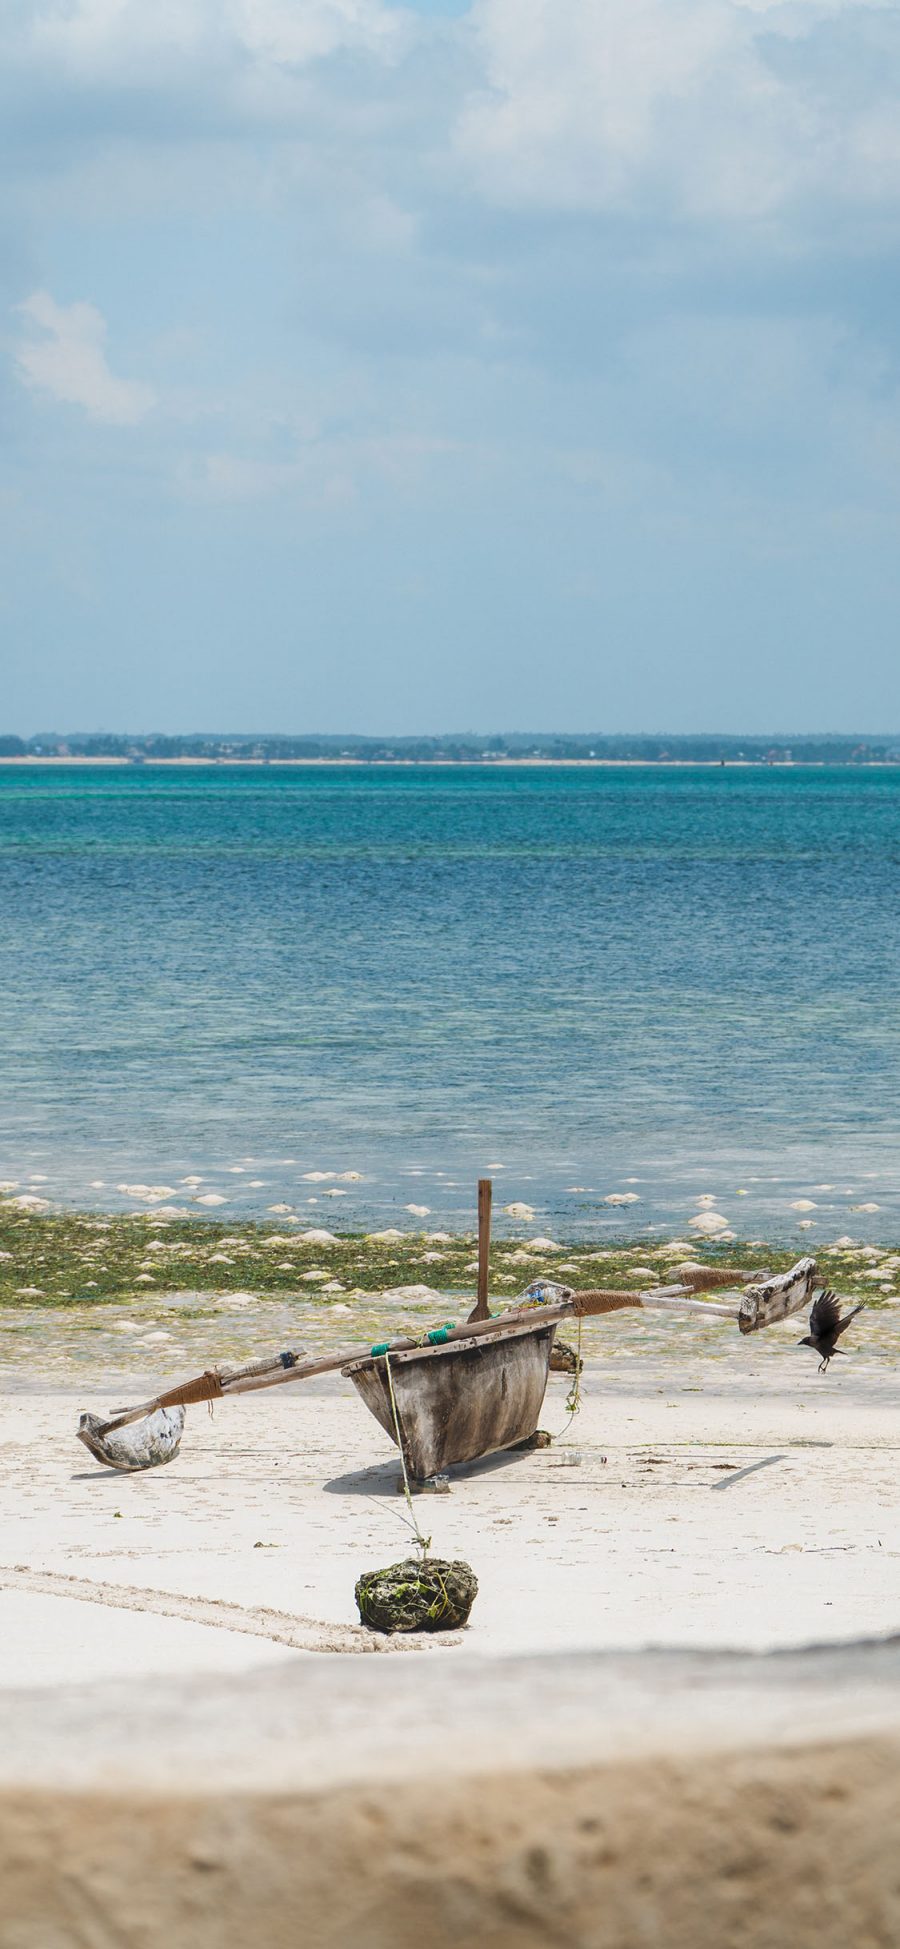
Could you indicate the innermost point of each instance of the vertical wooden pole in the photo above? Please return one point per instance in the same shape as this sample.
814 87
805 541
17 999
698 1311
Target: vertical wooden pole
485 1192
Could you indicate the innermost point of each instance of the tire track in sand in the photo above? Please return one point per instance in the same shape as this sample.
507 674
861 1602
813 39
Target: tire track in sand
279 1627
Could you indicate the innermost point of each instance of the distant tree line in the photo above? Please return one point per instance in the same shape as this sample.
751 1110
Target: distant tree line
468 748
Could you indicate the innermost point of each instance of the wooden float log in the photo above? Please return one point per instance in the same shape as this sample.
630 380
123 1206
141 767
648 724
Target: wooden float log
156 1440
777 1298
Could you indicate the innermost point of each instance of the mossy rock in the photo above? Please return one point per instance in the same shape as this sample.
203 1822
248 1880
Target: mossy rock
429 1595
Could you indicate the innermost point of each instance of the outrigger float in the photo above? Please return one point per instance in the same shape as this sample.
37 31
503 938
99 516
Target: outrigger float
459 1392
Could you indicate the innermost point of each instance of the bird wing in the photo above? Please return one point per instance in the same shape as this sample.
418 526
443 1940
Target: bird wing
824 1318
848 1317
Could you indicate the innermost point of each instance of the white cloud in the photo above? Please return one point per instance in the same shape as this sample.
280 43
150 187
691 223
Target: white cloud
295 33
233 477
327 473
65 356
117 38
709 108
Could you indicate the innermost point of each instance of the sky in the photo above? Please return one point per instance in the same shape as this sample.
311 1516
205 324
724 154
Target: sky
474 364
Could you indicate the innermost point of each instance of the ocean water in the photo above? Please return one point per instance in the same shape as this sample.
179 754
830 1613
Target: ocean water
662 984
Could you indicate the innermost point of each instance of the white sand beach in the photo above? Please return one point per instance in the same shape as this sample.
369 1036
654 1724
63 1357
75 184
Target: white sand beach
193 1744
733 1501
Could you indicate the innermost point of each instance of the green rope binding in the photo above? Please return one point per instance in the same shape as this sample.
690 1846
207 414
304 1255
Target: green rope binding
436 1338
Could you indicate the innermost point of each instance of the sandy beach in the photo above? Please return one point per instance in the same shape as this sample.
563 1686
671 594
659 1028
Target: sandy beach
732 1499
182 1685
674 1716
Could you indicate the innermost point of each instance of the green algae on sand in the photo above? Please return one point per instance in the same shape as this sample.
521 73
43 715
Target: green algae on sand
62 1259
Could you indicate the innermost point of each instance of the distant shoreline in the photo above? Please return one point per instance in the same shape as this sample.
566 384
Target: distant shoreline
55 763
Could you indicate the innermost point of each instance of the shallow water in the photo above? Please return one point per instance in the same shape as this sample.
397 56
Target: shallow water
659 983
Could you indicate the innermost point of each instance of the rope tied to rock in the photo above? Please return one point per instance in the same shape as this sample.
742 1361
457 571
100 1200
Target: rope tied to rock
573 1398
424 1542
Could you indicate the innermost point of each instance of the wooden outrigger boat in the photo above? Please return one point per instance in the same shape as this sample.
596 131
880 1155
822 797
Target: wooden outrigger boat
463 1391
456 1402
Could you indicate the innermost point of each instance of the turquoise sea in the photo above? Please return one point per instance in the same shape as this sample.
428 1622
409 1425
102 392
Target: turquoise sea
652 983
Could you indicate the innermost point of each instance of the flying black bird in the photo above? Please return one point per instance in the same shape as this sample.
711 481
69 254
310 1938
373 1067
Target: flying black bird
826 1327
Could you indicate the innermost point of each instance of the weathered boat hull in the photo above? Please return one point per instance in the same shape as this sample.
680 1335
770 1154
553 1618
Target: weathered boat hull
457 1402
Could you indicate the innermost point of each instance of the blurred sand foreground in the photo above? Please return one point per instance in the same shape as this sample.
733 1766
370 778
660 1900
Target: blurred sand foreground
188 1747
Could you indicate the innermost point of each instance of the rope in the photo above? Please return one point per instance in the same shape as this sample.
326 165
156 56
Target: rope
207 1387
601 1302
573 1398
423 1542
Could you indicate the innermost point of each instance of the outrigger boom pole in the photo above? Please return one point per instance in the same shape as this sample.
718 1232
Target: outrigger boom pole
764 1301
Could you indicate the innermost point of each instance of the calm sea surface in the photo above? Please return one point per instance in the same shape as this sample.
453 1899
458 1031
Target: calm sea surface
658 983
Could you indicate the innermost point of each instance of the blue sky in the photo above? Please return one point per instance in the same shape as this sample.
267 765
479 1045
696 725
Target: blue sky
518 364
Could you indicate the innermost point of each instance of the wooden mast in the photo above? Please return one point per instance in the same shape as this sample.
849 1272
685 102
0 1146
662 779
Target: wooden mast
485 1194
